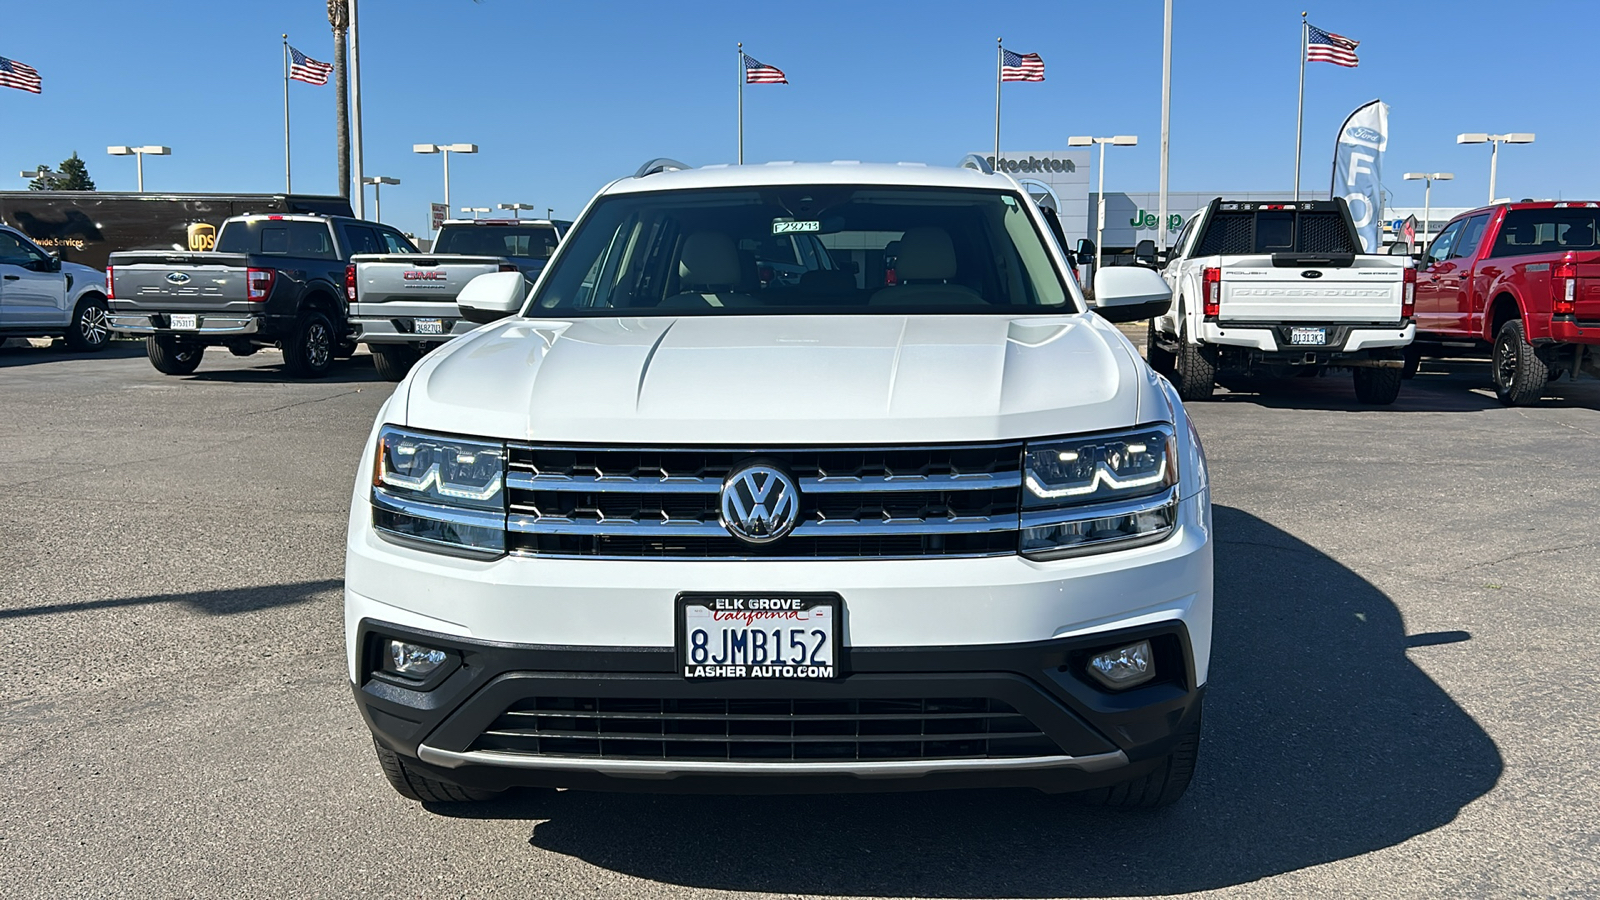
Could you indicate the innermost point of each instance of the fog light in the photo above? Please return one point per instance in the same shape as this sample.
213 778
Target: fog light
414 660
1123 667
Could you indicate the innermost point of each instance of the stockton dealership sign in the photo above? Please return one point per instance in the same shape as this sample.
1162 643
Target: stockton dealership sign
1033 165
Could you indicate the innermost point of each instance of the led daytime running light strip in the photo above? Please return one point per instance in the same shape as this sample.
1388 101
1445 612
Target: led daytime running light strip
1102 475
431 478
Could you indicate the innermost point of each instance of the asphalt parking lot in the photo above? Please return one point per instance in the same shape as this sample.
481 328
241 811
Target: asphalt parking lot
1403 698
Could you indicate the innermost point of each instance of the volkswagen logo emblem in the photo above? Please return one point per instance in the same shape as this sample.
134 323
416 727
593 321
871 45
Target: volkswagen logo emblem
1310 273
760 503
177 278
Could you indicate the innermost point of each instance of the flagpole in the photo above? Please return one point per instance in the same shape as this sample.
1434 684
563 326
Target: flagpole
999 63
288 179
1300 110
741 102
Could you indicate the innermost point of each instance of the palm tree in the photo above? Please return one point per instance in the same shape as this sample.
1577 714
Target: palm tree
339 18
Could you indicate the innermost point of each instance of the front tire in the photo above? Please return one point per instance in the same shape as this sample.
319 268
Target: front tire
171 356
90 329
414 785
1519 374
309 351
1378 387
1161 360
1155 789
393 361
1196 371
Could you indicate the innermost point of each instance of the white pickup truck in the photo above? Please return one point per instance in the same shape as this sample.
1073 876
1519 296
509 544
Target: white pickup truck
1281 289
402 305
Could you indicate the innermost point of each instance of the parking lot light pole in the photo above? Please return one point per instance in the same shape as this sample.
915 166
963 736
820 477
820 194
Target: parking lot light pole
1120 140
445 150
139 153
377 182
34 175
475 210
1494 141
516 208
1428 178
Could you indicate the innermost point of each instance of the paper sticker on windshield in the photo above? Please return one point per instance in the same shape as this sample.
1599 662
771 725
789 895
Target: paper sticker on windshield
784 226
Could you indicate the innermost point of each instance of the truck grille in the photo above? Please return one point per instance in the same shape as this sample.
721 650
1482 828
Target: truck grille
842 730
854 503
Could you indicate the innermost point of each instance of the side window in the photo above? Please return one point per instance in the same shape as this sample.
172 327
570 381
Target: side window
395 242
361 239
15 251
1178 247
1466 243
1439 251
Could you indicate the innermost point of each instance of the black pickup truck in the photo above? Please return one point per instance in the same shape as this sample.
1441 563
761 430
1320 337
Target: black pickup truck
272 281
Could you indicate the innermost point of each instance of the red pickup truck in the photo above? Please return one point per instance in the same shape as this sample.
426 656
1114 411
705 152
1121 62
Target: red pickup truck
1521 280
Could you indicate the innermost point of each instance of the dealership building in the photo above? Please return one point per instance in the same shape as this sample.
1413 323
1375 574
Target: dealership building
1063 179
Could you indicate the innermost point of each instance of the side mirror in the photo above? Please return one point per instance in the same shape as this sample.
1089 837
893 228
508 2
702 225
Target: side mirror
1085 248
1130 293
1145 252
493 296
1399 248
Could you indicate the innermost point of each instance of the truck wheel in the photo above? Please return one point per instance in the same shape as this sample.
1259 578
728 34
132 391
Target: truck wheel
1159 359
90 330
170 356
393 361
416 786
1196 371
308 353
1377 387
1155 789
1519 374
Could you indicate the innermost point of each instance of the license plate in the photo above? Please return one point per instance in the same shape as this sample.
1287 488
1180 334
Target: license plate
184 323
1308 336
430 326
778 637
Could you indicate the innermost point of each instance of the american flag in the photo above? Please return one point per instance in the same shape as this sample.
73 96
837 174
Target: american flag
1324 46
1027 67
18 75
760 73
304 68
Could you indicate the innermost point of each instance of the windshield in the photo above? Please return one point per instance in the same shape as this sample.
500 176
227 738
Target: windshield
524 241
805 249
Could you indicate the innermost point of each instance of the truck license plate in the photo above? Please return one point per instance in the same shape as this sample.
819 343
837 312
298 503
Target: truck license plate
184 323
430 326
781 637
1316 336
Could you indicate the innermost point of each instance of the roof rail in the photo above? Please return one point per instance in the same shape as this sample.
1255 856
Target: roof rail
660 164
974 161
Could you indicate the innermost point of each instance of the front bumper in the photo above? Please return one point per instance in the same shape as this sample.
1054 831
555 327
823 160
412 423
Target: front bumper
1086 736
210 325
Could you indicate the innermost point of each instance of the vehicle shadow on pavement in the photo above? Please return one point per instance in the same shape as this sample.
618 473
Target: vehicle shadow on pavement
1437 387
269 369
1323 741
20 353
216 603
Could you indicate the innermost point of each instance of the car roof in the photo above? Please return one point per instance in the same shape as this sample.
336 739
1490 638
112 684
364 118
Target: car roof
503 222
779 174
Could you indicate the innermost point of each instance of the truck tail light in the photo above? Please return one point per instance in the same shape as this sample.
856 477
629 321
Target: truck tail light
258 283
1212 296
1564 287
508 267
111 293
350 283
1408 294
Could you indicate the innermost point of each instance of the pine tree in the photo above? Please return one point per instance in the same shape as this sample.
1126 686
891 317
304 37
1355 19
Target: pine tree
73 176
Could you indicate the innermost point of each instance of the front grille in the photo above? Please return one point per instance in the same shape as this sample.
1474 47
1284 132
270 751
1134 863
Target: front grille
854 503
757 730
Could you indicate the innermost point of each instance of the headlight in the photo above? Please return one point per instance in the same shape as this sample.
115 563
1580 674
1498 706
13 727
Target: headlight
444 492
1099 492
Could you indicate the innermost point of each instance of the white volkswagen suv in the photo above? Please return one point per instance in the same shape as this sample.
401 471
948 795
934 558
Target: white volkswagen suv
917 517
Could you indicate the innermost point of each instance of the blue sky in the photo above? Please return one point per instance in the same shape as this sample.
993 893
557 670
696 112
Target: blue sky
562 97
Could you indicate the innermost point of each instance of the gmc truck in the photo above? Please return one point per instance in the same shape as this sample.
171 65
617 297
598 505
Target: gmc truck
1519 282
272 281
401 306
667 527
1282 289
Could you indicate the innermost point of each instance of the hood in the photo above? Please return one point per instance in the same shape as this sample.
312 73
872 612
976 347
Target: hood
750 380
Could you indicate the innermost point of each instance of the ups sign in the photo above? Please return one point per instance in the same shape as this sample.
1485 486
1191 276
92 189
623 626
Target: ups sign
202 237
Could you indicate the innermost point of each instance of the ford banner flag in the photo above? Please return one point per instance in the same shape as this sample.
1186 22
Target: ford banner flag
1358 170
